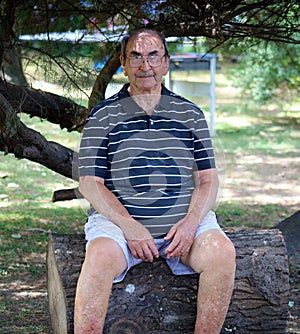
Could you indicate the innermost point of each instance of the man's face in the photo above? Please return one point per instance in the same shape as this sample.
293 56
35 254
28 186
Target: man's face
144 76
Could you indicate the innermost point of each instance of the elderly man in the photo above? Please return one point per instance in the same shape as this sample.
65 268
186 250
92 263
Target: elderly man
147 167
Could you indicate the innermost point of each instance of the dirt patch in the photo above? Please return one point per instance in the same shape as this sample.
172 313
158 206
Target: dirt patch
263 180
255 179
25 301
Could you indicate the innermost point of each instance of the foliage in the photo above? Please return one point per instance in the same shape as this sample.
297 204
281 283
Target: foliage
268 71
220 20
67 62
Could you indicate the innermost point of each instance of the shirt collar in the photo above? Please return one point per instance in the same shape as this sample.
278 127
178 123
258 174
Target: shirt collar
132 107
128 103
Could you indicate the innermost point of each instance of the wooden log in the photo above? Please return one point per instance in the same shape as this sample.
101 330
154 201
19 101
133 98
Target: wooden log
152 300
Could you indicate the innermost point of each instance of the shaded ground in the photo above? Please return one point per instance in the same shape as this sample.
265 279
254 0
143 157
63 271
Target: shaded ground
26 301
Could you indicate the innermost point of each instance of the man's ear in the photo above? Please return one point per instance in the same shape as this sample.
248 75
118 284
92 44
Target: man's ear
166 66
122 61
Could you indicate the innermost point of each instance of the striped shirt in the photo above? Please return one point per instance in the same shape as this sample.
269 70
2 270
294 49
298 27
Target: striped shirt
147 161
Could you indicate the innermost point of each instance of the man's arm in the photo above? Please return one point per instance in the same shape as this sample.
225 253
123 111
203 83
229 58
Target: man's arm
105 202
202 201
204 195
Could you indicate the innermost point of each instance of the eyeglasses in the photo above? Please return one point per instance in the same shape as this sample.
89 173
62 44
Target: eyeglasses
138 60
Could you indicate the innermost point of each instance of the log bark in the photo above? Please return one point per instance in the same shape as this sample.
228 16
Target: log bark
152 300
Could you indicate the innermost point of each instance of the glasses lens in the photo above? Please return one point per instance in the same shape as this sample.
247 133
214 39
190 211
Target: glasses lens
135 62
153 61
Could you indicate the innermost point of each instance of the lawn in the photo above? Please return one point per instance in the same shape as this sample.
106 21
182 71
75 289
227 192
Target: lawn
258 155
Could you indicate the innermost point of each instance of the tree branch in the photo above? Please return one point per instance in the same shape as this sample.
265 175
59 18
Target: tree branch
54 108
266 19
66 195
27 143
104 78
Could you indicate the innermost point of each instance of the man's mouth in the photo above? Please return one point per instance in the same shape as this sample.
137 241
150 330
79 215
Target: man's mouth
144 75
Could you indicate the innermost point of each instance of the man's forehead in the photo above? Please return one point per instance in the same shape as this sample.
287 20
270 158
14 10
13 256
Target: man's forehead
145 41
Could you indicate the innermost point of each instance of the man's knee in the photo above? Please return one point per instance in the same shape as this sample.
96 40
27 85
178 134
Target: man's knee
214 250
224 251
104 255
220 251
228 258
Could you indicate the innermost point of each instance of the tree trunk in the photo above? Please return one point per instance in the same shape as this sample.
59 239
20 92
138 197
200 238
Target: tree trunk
152 300
12 65
103 79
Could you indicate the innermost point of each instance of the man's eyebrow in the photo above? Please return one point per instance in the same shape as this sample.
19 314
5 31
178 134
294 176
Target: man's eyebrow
135 53
153 52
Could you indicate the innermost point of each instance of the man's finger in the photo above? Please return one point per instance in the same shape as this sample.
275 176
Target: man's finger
170 234
173 245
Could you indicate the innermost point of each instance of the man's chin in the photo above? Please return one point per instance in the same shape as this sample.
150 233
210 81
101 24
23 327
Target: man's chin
146 82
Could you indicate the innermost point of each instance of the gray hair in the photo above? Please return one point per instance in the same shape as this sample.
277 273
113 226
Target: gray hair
134 33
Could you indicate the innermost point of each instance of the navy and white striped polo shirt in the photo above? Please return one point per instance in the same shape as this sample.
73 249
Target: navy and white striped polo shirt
147 161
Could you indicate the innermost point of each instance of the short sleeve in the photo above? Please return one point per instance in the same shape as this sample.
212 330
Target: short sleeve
203 148
93 146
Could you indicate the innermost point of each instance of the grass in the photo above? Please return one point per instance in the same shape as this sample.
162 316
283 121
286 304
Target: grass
27 213
245 132
27 216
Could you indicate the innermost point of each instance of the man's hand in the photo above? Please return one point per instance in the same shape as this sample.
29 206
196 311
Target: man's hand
182 235
140 241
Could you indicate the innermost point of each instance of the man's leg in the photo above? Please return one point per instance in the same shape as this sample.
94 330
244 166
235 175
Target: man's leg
103 262
213 257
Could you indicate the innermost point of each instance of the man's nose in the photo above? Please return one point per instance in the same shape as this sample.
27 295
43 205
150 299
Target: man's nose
145 64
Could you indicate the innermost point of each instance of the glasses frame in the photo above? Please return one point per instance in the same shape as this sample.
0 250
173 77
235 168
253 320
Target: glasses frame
143 59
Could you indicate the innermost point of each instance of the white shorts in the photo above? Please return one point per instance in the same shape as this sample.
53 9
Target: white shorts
99 226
